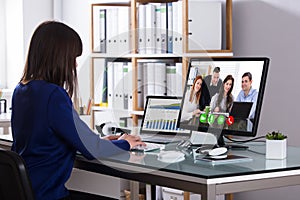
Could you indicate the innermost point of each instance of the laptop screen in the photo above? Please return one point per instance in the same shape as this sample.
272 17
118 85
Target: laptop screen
161 115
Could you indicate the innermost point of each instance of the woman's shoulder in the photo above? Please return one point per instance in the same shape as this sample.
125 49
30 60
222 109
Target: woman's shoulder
42 88
215 96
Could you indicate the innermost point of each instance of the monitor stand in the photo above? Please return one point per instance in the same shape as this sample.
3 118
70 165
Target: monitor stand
221 143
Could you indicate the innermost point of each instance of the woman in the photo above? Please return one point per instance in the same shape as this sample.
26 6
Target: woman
192 99
222 101
46 130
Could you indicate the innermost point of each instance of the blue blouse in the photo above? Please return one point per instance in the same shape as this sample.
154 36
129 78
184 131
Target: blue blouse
251 97
47 132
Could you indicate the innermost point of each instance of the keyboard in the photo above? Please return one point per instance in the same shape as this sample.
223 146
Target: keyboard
162 139
149 147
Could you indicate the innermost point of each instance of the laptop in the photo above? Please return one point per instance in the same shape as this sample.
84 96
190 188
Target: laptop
159 123
241 110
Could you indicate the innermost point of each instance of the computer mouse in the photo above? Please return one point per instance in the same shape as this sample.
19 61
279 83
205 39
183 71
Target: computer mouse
171 156
217 151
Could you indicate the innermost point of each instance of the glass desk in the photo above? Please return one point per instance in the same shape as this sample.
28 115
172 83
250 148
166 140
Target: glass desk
199 176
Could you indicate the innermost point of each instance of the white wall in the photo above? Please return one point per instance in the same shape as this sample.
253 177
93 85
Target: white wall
272 28
11 34
3 45
76 13
35 12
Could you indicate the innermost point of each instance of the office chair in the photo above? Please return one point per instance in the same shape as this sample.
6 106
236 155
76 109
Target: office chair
14 180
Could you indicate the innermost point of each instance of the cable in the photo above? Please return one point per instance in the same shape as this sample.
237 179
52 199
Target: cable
244 141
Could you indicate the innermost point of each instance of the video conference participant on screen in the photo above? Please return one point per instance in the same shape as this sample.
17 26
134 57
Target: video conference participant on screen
248 94
192 99
222 101
213 81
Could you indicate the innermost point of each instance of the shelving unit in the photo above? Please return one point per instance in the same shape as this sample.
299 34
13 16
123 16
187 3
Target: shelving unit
135 57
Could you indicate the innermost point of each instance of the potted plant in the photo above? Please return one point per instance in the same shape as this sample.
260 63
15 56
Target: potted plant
276 144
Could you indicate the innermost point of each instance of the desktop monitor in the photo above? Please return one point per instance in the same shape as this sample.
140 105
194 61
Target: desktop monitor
231 96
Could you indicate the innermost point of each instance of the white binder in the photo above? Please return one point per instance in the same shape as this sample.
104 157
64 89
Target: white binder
204 33
150 28
130 85
112 31
110 84
118 100
177 28
102 30
123 31
140 89
170 28
150 78
171 80
157 29
164 30
160 79
141 29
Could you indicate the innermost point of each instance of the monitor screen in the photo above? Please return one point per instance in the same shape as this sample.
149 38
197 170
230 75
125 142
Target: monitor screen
224 95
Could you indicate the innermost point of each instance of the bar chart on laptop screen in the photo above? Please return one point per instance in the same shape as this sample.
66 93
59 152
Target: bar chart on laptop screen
162 116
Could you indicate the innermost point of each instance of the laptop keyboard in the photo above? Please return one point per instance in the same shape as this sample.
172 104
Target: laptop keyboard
162 139
149 147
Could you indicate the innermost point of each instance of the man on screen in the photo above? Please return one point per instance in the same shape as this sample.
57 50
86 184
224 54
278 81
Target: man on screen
248 94
213 82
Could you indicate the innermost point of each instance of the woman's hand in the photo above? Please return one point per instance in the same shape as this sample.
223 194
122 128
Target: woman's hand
133 140
196 113
217 109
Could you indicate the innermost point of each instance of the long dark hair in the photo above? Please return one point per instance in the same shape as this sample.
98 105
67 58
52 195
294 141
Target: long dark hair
52 54
229 98
198 94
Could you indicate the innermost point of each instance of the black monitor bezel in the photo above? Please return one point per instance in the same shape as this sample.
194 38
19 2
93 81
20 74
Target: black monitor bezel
253 133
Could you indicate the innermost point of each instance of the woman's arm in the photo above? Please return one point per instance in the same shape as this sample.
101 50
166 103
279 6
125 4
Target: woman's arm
188 108
67 125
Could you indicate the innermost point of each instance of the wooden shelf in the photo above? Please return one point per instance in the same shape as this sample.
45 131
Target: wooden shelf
155 1
135 58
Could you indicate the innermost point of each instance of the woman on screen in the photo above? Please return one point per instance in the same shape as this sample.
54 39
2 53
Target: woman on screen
191 100
222 101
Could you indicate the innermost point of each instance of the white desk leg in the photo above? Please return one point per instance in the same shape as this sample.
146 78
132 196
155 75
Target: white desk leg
134 190
210 193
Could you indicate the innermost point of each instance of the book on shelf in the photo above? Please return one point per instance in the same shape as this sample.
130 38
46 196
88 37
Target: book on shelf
104 92
163 28
150 28
160 79
170 27
140 95
154 27
111 30
142 29
118 101
177 28
123 31
102 30
99 27
160 27
153 78
110 84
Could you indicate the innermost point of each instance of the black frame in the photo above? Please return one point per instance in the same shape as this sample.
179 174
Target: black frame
255 121
165 132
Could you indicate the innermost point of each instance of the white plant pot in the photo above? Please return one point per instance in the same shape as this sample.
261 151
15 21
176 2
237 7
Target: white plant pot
276 149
